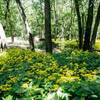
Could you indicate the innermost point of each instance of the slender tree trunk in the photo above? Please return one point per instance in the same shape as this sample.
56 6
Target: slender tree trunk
7 8
55 20
28 31
79 24
31 41
71 20
83 23
7 11
48 37
21 9
42 14
89 22
97 21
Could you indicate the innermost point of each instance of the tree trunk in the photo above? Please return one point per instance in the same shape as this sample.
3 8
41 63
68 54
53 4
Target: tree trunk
83 23
42 14
7 8
48 37
89 22
79 24
97 21
22 12
28 31
31 41
55 20
7 11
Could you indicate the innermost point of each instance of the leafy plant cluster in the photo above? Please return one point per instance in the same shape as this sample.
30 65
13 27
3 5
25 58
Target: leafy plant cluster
97 45
27 75
72 44
66 43
22 70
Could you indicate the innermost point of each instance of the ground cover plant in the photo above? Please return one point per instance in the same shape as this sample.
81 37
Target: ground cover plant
97 45
27 75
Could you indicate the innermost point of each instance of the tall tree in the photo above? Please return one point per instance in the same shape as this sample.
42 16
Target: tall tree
26 24
97 21
8 17
7 8
48 37
79 23
89 22
55 19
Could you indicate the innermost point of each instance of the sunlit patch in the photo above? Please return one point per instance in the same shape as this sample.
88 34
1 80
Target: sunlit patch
25 85
4 53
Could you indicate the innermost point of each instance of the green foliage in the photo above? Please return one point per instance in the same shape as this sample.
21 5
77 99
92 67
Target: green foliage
8 97
76 59
59 95
85 90
40 45
97 45
23 70
27 75
67 44
81 77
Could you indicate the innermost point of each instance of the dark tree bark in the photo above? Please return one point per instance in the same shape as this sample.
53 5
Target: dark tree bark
89 22
31 41
79 24
48 37
7 8
7 11
26 24
21 10
83 23
97 21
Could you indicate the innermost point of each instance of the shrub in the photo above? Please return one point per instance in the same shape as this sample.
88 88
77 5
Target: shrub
97 45
83 90
23 69
27 75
